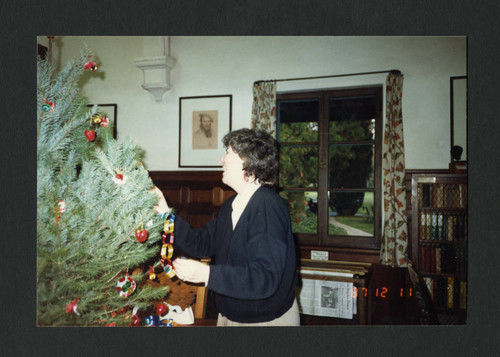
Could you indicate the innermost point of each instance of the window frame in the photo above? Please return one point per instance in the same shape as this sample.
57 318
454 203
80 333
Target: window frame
321 238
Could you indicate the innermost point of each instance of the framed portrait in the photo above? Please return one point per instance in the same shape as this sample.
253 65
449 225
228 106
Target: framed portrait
203 122
110 110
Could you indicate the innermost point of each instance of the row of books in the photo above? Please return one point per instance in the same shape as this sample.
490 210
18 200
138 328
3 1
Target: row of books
439 226
447 292
442 195
446 258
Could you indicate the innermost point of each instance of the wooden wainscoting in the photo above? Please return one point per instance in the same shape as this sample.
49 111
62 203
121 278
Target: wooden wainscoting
195 195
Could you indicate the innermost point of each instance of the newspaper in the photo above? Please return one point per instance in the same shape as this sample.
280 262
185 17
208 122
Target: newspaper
327 298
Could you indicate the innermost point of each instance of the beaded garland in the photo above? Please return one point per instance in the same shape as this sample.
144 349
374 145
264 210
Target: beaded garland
167 249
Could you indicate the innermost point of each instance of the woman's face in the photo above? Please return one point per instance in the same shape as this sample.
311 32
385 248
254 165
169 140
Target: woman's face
233 174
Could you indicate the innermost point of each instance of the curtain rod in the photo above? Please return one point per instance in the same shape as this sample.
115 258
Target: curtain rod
393 71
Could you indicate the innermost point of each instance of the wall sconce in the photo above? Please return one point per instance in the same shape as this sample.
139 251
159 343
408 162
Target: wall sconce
156 74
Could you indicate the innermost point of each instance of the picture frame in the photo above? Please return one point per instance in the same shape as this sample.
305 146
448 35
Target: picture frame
111 111
203 122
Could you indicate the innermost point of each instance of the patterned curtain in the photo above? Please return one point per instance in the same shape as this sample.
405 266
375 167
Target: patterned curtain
395 237
264 107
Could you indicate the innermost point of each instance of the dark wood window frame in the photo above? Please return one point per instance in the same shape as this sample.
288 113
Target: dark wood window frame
322 239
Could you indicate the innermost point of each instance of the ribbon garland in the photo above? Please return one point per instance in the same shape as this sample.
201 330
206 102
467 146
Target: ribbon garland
167 249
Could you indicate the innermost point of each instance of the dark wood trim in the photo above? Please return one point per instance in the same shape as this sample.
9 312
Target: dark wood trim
359 255
176 178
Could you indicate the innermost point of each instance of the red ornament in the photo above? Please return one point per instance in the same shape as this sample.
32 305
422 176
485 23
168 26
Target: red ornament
90 65
161 309
72 306
136 321
89 134
141 235
104 122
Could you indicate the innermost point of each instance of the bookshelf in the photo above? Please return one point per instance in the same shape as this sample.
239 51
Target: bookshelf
438 237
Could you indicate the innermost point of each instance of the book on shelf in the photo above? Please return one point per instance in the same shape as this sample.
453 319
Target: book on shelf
445 259
463 295
434 225
449 228
425 198
428 226
432 259
455 196
439 226
459 227
462 196
437 252
447 292
448 195
422 225
450 291
437 195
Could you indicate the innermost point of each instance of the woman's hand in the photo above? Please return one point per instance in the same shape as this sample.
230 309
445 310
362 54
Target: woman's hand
162 206
191 270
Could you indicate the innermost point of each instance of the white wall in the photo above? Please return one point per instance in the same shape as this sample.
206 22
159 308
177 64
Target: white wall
230 65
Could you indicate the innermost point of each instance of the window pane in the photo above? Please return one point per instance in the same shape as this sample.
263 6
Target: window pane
298 166
351 166
352 119
298 121
350 213
303 209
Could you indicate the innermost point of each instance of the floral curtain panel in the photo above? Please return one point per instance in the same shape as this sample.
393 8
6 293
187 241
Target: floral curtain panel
395 236
264 107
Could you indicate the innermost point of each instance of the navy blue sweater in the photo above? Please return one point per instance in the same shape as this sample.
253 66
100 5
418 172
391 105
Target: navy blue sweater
253 272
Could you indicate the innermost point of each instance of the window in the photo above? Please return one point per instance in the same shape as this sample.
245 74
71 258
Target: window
330 165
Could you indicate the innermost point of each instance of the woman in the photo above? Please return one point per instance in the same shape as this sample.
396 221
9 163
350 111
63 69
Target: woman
253 273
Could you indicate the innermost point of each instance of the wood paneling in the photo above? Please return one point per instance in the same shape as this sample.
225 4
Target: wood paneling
195 195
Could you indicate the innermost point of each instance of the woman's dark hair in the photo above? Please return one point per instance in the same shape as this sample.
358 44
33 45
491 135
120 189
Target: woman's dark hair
259 152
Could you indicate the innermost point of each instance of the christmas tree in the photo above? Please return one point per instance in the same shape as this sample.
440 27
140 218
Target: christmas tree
96 221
